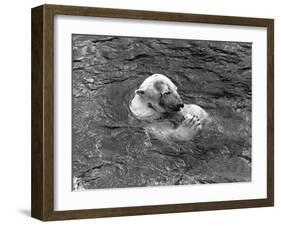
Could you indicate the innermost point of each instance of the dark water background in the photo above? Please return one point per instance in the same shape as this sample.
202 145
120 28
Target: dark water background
109 152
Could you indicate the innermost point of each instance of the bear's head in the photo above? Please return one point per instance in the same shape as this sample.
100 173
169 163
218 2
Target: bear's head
159 93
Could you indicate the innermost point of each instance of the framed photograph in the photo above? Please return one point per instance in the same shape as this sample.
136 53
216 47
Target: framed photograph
142 112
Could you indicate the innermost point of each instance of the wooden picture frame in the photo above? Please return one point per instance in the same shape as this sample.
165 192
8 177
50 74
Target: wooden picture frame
42 203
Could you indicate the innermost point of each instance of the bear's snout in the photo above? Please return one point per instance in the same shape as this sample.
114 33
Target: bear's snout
171 103
179 106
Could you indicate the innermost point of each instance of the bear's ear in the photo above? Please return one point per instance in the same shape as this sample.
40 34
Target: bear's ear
140 92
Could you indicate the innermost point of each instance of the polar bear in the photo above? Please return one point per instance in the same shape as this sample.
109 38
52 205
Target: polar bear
158 103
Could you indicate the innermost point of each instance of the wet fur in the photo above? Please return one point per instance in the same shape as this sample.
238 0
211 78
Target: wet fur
156 102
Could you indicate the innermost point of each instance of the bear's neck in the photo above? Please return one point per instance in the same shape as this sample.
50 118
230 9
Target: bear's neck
140 109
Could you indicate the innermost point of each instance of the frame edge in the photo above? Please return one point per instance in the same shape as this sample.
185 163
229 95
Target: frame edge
156 15
42 197
270 112
42 115
37 113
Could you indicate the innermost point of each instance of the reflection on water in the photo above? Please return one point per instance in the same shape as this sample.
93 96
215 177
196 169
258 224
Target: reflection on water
110 147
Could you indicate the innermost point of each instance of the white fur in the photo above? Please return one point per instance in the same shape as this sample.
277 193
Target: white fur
140 109
164 129
148 82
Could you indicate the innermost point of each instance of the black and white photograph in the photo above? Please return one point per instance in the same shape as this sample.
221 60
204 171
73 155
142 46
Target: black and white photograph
152 111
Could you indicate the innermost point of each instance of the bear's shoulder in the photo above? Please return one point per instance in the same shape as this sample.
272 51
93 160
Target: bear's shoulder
142 111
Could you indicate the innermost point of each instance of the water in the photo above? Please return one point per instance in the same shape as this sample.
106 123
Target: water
111 149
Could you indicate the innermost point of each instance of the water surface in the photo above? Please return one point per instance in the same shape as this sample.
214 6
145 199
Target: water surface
110 149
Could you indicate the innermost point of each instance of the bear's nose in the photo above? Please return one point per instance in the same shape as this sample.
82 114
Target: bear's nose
179 106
